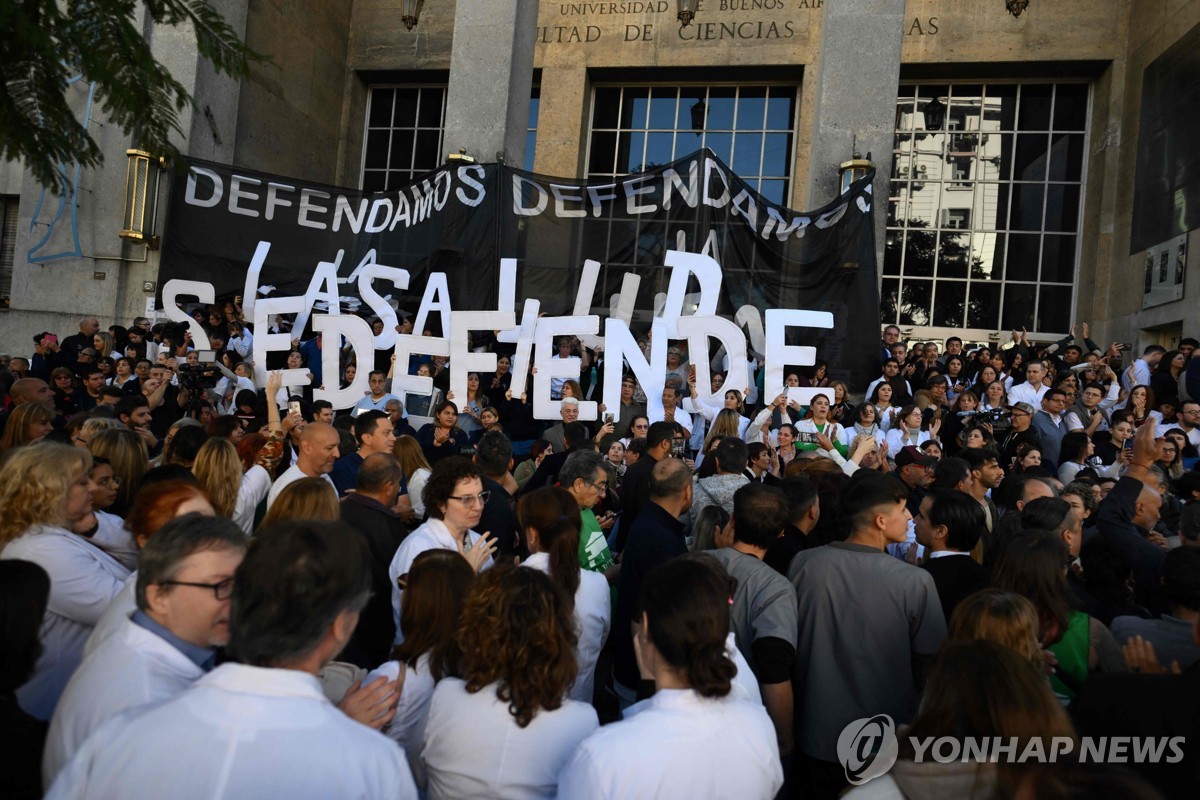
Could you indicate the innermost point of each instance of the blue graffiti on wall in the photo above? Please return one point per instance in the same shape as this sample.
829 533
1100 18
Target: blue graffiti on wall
65 205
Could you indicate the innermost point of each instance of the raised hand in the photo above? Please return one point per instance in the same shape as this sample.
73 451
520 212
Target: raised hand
480 552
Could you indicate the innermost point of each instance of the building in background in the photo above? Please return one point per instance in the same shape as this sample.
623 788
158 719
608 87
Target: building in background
1037 171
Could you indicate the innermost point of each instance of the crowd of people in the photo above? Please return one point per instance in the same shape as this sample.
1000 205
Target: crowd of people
212 587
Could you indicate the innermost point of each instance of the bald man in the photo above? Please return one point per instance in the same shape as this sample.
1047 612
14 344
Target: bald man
318 451
656 536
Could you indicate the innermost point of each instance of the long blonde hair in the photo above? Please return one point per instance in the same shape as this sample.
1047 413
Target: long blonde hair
16 432
219 470
34 482
127 453
305 499
726 423
408 452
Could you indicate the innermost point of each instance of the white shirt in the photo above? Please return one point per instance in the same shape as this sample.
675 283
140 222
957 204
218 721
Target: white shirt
119 608
593 616
475 749
416 489
433 535
291 475
83 579
255 485
1025 393
679 744
112 537
133 667
407 727
1137 375
239 732
896 442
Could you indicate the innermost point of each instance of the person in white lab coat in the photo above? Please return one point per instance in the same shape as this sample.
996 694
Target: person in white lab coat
437 585
153 507
550 518
505 729
260 725
694 737
454 498
184 583
45 496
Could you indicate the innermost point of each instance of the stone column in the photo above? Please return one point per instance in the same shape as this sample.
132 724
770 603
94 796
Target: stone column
855 78
491 72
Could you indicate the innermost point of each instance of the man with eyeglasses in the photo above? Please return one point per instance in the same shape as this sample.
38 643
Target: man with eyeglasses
184 585
1020 432
260 725
1050 427
630 409
1188 421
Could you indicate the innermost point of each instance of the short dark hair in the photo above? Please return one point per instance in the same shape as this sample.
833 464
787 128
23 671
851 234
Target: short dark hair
869 493
801 493
318 406
1046 513
668 478
1012 491
375 372
377 470
731 454
365 422
948 472
493 453
961 514
165 551
954 339
977 457
296 579
574 433
660 432
186 443
759 514
1154 348
637 446
446 474
129 404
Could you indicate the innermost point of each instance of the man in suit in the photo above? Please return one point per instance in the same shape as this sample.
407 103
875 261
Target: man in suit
948 526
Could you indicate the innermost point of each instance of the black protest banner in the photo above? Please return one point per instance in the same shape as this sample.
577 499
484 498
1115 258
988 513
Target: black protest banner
239 231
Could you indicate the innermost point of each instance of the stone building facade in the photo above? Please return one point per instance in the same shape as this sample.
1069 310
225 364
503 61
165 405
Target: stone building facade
1036 169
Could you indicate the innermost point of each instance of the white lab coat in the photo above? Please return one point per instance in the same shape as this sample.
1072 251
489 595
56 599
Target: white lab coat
83 579
593 616
239 732
679 744
123 604
133 667
407 727
256 483
433 535
290 476
112 537
474 748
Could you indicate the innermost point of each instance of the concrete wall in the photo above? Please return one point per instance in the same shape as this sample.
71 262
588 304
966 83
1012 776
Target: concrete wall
289 116
1153 28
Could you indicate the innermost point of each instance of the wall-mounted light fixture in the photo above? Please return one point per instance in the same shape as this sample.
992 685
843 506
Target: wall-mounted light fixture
141 197
1015 7
852 170
410 10
687 12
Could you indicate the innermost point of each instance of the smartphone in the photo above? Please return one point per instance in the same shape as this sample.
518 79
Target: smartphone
678 448
1128 444
293 407
608 418
51 339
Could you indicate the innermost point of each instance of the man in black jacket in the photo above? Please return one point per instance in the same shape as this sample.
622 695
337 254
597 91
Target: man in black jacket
368 510
1128 514
948 526
635 488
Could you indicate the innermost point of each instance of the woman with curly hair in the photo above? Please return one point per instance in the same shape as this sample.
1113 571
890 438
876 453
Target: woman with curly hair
45 504
551 520
505 727
680 645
